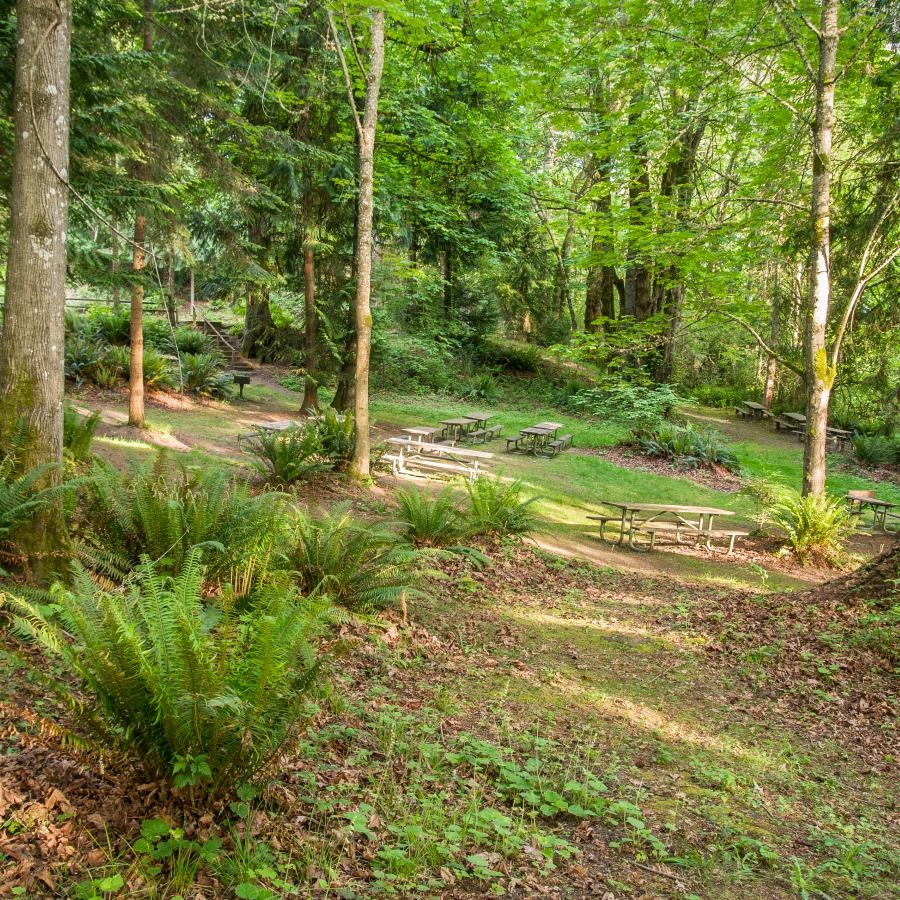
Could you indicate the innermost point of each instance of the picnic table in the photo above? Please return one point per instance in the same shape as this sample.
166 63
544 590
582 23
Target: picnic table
756 410
482 432
859 500
479 417
458 427
268 428
790 420
422 432
413 456
654 518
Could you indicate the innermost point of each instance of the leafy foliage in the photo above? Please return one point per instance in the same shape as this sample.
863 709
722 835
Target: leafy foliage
190 340
285 457
336 433
642 408
496 507
688 446
816 525
361 566
202 374
513 356
163 510
78 432
430 521
83 354
876 449
157 369
203 694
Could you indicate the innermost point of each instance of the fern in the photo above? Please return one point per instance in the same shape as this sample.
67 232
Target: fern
430 521
286 457
78 433
496 507
358 565
176 678
816 525
162 510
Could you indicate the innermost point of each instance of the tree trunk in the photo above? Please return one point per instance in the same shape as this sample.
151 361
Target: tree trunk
116 287
772 363
344 390
819 373
259 327
310 322
359 465
638 296
171 310
448 281
136 368
33 336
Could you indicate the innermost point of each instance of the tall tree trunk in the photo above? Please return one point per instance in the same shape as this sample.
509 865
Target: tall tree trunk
259 327
136 368
32 339
359 464
31 343
638 295
344 390
448 280
771 288
819 373
116 287
171 310
310 316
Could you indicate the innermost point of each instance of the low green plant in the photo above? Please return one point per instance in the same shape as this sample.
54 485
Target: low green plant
360 566
113 326
157 369
78 432
496 507
83 353
204 695
481 387
688 446
722 396
432 521
202 374
816 525
285 457
117 361
876 449
163 510
189 340
337 435
513 356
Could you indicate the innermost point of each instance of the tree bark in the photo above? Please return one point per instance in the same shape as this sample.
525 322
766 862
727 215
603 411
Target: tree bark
32 340
142 171
359 464
819 373
31 345
310 320
772 363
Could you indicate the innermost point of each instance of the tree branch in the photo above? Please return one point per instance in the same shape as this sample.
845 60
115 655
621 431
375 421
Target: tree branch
792 35
798 370
347 80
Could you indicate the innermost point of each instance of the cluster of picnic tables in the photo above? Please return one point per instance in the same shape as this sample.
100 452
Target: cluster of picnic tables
793 422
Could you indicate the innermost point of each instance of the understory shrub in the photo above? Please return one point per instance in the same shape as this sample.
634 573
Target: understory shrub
360 566
337 435
285 457
24 492
481 387
513 356
688 446
205 695
157 369
817 525
721 396
83 354
496 507
411 364
641 408
190 340
202 374
78 432
433 521
163 510
876 449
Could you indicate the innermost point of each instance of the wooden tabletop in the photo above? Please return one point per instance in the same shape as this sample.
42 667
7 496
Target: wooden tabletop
752 404
479 417
552 426
442 449
421 429
873 501
797 417
283 425
456 421
537 430
669 507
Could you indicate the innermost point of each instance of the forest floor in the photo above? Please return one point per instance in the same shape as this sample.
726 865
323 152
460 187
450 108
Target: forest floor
568 720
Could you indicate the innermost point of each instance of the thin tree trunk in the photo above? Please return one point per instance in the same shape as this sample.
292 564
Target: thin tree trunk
31 343
772 363
171 310
136 367
359 465
310 316
819 373
116 287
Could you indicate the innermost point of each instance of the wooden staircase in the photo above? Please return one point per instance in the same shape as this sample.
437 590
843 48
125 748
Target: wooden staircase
227 344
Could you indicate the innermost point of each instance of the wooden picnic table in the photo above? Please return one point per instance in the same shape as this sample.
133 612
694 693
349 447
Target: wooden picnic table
553 426
421 432
879 508
537 437
479 417
700 525
459 427
757 410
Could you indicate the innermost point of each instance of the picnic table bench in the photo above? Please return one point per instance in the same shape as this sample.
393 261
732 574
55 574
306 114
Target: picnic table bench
689 521
539 439
412 456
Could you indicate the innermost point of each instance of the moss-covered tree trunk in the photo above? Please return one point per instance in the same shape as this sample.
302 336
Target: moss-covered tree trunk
819 373
32 355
